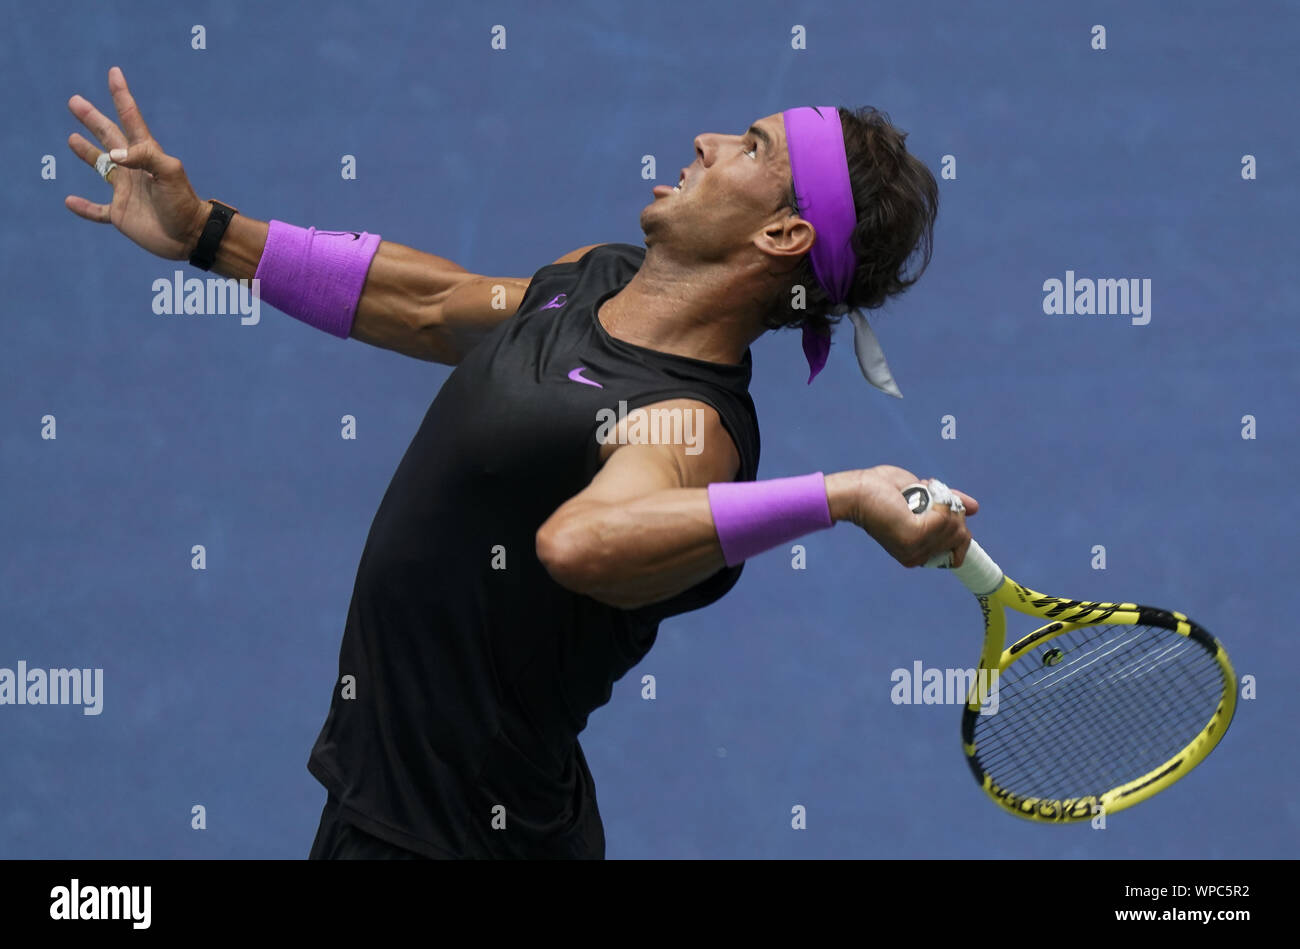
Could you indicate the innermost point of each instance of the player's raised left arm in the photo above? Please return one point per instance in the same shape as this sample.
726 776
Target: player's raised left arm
411 302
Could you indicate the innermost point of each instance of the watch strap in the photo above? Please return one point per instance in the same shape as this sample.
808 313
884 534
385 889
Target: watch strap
205 251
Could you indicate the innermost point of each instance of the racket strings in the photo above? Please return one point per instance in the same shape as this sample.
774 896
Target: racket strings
1045 745
1120 702
1041 746
1112 730
1057 763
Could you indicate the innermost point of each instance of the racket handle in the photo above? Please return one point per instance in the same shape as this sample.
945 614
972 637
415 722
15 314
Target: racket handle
978 571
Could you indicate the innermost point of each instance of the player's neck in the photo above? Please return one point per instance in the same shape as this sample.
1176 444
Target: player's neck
694 313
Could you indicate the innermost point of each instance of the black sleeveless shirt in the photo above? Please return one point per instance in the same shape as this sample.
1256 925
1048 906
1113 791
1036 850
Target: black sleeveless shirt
466 672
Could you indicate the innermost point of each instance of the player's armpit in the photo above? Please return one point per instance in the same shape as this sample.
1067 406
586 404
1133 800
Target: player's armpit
474 307
434 309
469 312
642 531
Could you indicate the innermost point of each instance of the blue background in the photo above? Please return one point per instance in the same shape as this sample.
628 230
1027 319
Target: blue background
1072 430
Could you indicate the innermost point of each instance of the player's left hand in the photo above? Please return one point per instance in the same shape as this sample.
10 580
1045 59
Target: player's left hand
153 203
874 501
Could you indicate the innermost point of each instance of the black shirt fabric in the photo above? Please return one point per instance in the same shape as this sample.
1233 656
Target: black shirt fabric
470 684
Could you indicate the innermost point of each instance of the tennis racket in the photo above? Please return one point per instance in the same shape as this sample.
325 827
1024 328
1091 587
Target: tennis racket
1104 706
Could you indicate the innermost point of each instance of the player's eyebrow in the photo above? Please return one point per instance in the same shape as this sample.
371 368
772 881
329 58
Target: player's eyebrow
763 137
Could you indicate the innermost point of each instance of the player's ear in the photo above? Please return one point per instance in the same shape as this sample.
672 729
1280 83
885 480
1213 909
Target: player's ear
788 236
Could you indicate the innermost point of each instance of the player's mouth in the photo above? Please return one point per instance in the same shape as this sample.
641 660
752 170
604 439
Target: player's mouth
663 191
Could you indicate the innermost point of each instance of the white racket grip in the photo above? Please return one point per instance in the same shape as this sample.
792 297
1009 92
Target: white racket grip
978 571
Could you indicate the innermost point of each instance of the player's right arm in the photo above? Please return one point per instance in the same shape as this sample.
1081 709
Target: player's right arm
413 303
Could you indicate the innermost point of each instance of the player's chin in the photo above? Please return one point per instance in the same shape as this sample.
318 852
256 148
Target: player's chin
662 229
651 218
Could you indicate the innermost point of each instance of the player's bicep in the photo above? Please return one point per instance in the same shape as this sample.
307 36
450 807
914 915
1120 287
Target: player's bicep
634 535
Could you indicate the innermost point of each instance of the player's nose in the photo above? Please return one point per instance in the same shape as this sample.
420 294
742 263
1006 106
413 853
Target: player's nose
706 146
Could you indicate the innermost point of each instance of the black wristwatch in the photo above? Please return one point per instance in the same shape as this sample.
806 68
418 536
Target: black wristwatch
205 251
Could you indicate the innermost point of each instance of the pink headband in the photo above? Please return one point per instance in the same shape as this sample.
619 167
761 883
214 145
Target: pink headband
819 169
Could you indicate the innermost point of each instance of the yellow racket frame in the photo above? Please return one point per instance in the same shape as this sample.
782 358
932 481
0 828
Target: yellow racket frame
1066 616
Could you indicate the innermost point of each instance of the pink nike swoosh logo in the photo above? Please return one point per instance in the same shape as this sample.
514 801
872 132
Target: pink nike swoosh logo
576 376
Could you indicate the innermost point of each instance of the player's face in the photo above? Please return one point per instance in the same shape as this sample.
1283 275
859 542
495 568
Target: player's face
736 185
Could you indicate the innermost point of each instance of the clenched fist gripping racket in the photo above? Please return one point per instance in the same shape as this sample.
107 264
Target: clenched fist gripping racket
1104 706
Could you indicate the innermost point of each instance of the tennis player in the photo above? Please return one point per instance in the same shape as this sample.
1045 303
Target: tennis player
540 526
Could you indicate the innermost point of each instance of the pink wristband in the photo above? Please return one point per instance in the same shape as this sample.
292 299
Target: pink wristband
754 516
316 276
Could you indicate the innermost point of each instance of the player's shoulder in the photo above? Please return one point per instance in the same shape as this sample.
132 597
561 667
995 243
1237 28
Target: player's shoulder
614 251
578 255
611 264
592 269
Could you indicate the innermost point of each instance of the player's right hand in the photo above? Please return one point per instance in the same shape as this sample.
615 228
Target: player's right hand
153 203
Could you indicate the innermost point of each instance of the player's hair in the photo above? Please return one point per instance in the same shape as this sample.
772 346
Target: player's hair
896 200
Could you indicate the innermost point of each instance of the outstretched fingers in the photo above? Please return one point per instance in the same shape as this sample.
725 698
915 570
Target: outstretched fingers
83 207
99 125
99 213
83 149
128 113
